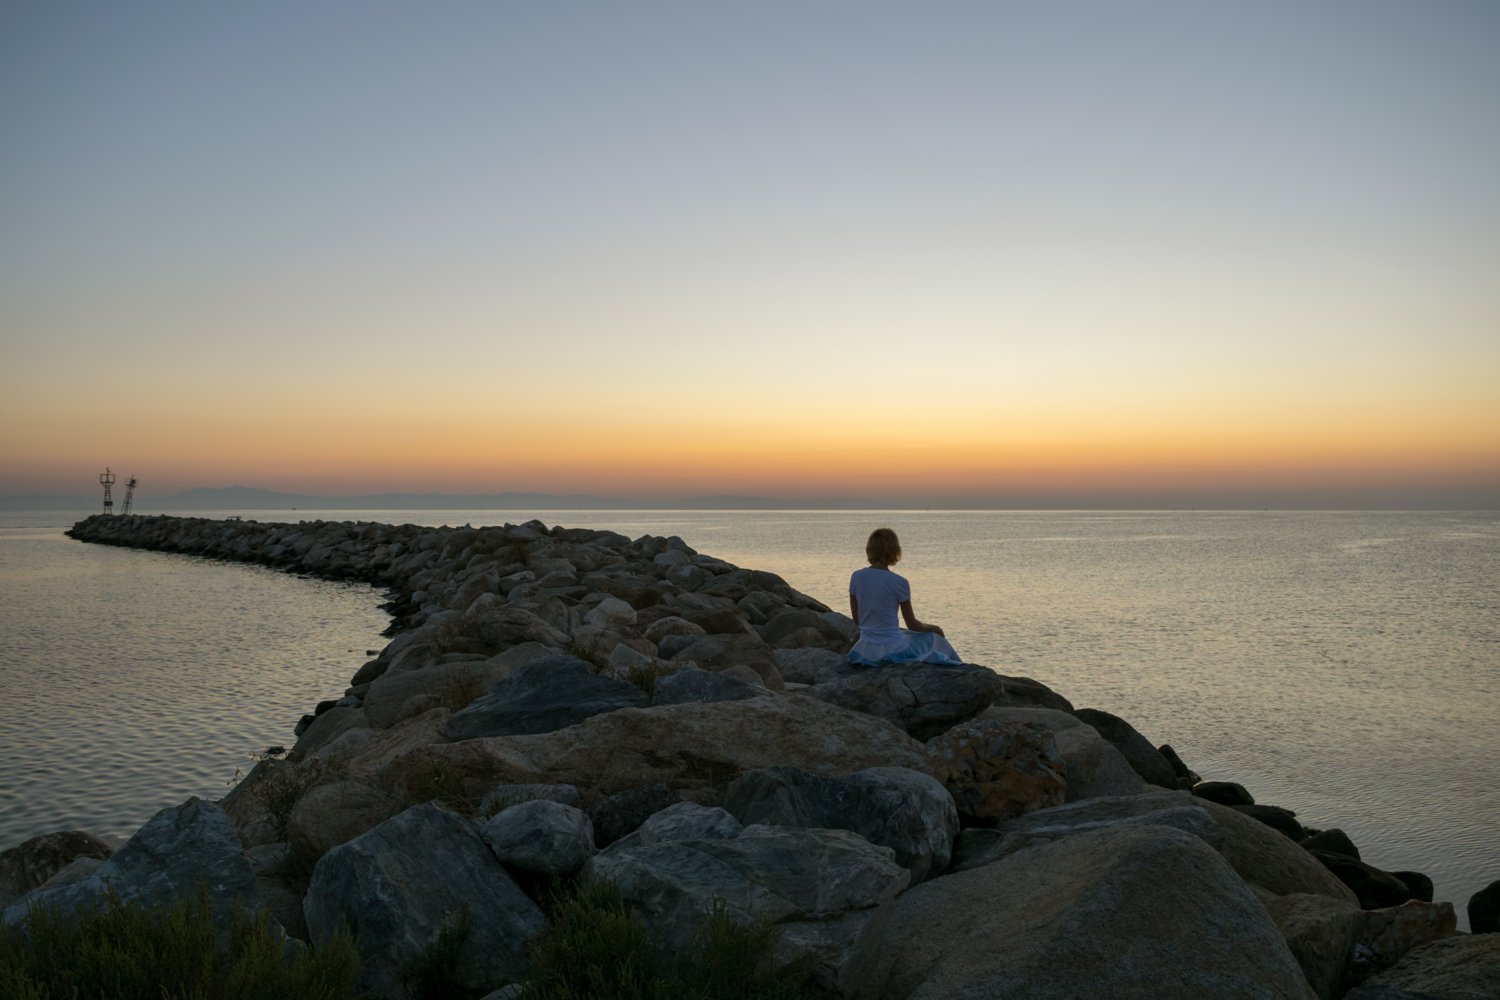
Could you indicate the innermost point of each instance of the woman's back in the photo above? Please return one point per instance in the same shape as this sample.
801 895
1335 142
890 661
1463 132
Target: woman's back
880 593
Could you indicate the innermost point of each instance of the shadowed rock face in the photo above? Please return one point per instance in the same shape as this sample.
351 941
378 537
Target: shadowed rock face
1129 913
1467 966
1321 934
923 698
26 866
541 836
1145 758
1265 857
166 857
396 888
905 810
543 697
829 892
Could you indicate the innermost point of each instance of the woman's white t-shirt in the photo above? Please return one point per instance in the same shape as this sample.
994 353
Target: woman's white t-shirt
879 593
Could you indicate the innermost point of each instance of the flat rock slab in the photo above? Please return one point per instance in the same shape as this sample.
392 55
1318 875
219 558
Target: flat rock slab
905 810
1463 967
925 699
165 858
1265 857
977 846
543 697
1125 913
692 684
399 885
829 891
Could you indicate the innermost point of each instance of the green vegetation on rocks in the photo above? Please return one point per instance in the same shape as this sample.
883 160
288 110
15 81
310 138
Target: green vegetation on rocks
133 950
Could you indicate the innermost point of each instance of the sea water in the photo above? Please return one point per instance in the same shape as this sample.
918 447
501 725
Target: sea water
1343 665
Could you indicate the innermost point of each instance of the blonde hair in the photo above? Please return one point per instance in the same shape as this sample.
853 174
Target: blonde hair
883 546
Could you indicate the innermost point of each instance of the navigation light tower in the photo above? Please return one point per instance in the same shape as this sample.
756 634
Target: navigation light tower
107 479
129 495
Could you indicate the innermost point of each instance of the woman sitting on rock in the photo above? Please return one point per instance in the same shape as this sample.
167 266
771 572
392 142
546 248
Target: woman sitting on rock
875 594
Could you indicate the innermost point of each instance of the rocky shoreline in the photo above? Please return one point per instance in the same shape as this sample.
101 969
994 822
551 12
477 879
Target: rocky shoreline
563 702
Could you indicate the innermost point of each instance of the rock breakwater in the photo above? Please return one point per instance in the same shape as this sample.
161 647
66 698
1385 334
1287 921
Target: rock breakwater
564 703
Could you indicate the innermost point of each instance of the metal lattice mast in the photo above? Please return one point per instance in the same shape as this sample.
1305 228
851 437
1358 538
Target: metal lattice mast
129 495
107 479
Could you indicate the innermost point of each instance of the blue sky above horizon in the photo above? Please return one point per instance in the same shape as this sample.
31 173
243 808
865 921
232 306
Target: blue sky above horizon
664 249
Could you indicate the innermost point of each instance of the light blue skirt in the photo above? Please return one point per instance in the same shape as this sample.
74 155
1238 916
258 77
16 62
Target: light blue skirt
914 647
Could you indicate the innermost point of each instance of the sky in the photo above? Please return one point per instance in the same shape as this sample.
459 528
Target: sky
943 254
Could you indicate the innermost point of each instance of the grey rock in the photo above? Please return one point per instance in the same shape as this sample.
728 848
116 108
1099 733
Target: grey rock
893 807
843 623
1377 992
668 646
396 900
541 836
331 725
692 684
794 620
268 858
522 654
77 870
813 666
504 796
829 891
624 812
1122 912
977 846
1096 768
1484 910
1023 692
924 699
687 821
1321 933
165 858
1462 967
1334 840
542 697
1226 793
1276 818
1145 758
29 864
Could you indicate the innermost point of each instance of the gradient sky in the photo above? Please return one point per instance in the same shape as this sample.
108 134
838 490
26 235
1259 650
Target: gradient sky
942 253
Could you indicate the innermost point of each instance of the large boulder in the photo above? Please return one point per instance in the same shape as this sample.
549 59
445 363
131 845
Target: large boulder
165 858
1484 910
695 749
542 697
996 770
623 813
905 810
1463 967
813 666
1023 692
690 684
784 623
715 652
830 892
394 699
397 899
503 626
1392 931
336 722
1277 818
925 699
1265 857
541 836
1142 755
1321 933
1095 768
1122 912
687 821
978 846
26 866
1374 888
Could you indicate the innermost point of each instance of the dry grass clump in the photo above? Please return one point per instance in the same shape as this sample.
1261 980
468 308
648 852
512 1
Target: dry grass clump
597 947
460 688
139 951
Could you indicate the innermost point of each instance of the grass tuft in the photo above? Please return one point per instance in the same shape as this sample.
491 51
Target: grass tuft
433 973
287 782
460 688
598 948
440 781
150 951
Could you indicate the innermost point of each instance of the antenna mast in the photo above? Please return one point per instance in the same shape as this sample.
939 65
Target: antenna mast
107 479
129 491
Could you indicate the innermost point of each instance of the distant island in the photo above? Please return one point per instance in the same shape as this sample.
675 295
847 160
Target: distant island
252 498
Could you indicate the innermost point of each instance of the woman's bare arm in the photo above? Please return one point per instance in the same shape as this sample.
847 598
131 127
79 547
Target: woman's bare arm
912 625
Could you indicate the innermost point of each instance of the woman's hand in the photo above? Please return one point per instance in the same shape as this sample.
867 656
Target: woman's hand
912 625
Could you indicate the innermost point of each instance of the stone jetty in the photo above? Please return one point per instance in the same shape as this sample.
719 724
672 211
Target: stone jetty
558 703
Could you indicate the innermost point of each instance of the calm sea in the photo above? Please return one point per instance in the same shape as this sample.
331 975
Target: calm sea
1344 665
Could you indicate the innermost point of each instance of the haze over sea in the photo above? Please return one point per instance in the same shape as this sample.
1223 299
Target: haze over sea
1341 664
